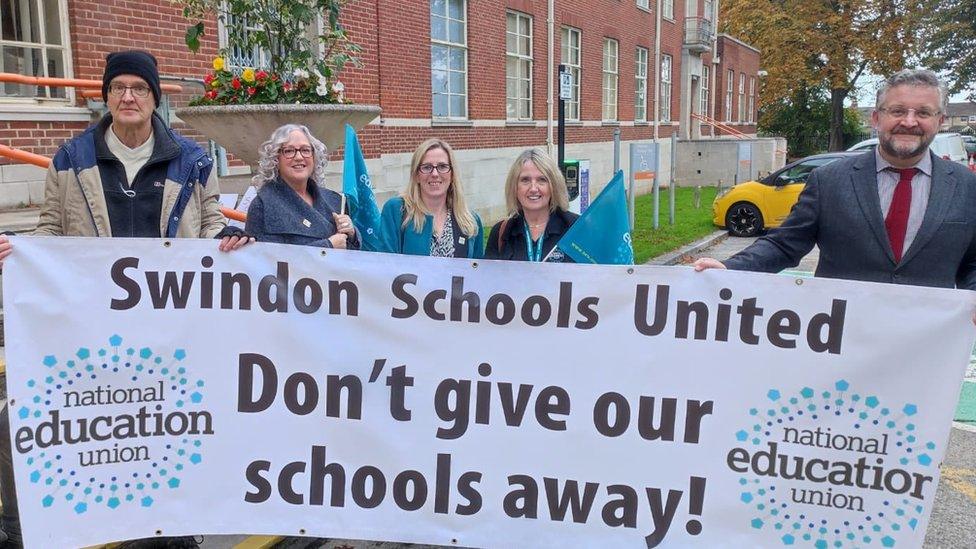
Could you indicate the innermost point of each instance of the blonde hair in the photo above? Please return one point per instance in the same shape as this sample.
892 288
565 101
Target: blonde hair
558 194
413 203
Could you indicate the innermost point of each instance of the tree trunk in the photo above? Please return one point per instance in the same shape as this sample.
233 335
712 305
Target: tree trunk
837 96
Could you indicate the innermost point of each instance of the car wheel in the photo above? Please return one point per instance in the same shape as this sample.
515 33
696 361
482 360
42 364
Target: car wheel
744 219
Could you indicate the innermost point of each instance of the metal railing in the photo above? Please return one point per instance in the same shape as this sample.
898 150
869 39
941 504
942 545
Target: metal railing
699 33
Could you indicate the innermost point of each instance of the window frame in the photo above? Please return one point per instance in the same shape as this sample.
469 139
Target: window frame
667 77
519 59
703 91
640 84
752 99
730 78
451 46
611 80
43 45
742 97
667 9
572 106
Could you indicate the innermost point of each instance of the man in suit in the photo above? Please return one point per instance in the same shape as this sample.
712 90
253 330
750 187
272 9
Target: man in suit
899 214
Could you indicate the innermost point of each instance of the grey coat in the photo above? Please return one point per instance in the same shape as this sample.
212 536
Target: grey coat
278 214
839 210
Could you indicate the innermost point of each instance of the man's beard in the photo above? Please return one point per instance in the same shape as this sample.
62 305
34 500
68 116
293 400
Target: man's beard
888 145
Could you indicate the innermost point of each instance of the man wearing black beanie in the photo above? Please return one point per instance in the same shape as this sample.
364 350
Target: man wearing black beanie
127 176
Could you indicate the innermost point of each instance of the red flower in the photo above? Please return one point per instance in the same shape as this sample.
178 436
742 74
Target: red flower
212 94
252 90
287 86
274 77
261 75
209 78
236 83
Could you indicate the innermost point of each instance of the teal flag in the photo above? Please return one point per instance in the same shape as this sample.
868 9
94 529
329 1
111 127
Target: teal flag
602 234
359 194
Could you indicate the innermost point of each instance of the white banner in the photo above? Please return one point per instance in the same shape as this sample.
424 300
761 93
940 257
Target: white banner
165 388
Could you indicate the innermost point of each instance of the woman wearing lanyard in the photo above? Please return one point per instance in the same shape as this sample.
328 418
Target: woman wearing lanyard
537 200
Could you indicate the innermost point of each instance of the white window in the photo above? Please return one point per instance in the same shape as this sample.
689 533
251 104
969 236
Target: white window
518 66
667 9
644 4
640 86
570 57
742 97
34 42
610 69
752 99
972 118
703 105
728 95
449 58
233 31
708 10
665 110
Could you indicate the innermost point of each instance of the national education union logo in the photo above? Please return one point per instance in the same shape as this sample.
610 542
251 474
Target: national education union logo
111 426
857 482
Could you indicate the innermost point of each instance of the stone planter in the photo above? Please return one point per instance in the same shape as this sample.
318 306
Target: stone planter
242 128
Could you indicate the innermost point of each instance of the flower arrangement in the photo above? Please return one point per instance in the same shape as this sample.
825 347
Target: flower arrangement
223 87
300 65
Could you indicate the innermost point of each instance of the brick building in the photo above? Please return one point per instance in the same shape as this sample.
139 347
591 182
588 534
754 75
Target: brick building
474 72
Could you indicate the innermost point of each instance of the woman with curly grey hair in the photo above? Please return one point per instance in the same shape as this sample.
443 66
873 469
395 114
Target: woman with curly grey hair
292 206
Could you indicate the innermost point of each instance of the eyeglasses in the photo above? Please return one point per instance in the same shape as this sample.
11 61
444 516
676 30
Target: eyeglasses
429 168
902 112
118 90
290 152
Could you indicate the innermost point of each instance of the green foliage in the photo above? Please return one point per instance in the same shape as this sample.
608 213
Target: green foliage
948 33
804 120
288 32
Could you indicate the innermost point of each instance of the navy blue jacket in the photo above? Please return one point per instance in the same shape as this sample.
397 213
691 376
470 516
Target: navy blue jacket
278 214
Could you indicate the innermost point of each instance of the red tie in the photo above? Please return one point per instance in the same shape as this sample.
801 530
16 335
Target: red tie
897 221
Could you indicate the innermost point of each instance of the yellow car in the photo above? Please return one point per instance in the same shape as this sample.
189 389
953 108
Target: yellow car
747 209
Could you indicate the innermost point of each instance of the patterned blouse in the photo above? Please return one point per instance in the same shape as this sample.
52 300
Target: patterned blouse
443 245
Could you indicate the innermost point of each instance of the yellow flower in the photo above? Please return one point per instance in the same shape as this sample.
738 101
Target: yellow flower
218 63
248 75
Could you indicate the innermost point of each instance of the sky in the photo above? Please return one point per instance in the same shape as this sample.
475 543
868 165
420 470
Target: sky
869 85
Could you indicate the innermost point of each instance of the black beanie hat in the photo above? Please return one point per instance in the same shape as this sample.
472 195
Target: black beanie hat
134 62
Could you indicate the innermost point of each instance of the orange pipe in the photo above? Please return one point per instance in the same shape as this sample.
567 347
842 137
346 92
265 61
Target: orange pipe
69 82
44 162
25 157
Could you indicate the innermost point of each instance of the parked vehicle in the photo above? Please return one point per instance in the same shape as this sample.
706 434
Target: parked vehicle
969 141
949 146
748 208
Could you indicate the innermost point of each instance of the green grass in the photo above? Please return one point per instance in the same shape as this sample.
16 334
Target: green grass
690 223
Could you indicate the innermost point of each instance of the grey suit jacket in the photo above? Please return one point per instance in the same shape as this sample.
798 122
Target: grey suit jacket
839 211
278 214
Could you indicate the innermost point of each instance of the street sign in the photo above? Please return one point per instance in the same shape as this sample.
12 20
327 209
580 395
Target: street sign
565 86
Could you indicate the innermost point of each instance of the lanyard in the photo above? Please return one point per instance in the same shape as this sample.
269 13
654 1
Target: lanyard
533 252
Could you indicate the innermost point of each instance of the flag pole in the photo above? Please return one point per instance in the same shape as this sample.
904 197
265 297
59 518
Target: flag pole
342 205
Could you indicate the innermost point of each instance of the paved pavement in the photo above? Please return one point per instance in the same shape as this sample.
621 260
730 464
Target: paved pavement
953 522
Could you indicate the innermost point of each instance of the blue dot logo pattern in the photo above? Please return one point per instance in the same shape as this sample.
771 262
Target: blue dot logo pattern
145 467
806 523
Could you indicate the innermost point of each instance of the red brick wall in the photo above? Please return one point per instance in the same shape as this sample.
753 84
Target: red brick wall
741 60
395 73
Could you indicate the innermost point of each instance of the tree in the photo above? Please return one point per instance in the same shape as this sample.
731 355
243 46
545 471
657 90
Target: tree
803 119
822 43
948 36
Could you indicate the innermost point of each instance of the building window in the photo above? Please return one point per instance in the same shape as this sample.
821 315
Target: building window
972 118
234 31
708 10
665 111
703 105
667 9
610 69
752 99
518 66
570 57
728 95
640 86
34 42
644 4
742 97
449 58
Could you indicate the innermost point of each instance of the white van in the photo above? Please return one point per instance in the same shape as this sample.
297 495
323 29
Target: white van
948 146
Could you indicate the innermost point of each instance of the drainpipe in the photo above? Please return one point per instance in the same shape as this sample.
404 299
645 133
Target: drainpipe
550 70
714 69
657 69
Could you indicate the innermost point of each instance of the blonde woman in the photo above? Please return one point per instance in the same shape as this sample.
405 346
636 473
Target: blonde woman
537 200
430 217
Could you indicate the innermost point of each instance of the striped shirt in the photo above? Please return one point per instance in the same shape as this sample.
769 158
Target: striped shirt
921 184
